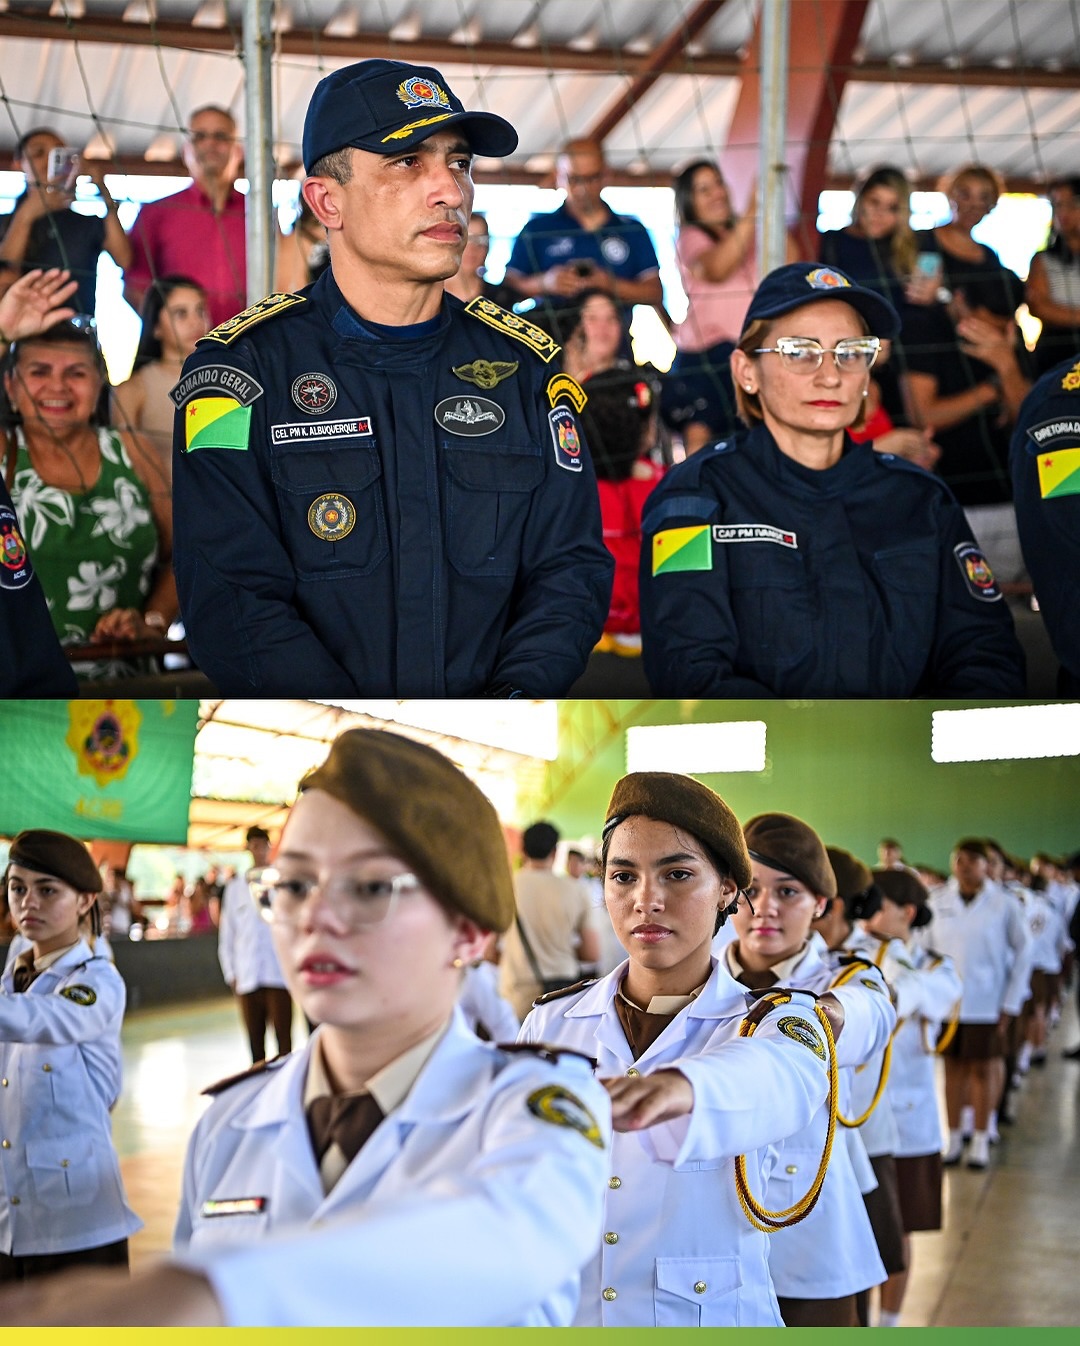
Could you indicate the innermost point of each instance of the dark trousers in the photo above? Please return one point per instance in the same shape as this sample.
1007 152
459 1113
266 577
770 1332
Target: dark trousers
818 1312
267 1004
25 1268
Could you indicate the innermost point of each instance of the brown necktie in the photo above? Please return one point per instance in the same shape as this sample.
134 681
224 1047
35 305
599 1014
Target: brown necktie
23 973
640 1027
348 1120
758 981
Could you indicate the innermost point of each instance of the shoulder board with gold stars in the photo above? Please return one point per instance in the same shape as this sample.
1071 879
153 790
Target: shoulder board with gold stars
566 990
537 340
227 332
259 1068
547 1051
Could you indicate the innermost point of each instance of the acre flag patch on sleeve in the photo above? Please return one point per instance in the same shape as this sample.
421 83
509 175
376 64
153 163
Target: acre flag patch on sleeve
216 423
677 549
1059 473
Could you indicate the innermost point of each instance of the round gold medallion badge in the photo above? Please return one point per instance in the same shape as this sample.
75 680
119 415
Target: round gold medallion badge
331 517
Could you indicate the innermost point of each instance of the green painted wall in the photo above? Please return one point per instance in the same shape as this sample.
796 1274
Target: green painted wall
855 770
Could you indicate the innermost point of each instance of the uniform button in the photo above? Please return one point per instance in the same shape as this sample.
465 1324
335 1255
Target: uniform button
611 1238
633 1071
16 1201
792 1168
610 1294
4 1083
700 1287
611 1182
63 1163
5 1144
46 1067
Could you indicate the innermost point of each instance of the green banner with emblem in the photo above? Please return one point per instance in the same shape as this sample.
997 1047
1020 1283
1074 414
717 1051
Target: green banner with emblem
106 769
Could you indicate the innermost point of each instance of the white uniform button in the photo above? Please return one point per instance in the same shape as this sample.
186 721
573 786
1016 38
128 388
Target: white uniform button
611 1238
46 1067
633 1071
792 1168
614 1182
700 1287
610 1294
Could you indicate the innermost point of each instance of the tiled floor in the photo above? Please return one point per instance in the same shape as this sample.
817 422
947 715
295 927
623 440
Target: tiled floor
1007 1256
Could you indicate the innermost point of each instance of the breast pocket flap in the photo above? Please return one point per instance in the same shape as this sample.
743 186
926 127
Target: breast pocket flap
504 471
698 1279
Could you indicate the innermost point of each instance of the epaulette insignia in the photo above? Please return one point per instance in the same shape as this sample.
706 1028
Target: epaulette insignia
562 385
259 1068
566 990
1071 381
547 1051
228 331
537 340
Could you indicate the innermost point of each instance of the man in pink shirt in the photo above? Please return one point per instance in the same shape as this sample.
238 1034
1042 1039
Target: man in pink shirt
198 232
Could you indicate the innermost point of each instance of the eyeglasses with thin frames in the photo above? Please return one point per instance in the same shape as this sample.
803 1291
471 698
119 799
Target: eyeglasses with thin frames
803 355
359 902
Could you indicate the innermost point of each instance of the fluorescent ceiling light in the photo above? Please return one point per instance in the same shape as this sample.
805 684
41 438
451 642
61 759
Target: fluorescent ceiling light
697 749
1001 733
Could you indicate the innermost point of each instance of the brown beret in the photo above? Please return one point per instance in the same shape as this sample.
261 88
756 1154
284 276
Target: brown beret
432 814
852 876
683 802
56 854
900 886
792 846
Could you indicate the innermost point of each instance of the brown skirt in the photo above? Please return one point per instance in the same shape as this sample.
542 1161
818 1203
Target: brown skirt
818 1312
918 1185
886 1218
976 1042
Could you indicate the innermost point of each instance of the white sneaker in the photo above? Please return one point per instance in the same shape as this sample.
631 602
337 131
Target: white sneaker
979 1150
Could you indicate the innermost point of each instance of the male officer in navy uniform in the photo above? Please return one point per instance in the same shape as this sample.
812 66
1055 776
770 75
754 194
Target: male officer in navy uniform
1044 461
379 490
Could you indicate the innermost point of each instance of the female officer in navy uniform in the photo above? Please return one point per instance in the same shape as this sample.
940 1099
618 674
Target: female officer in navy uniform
62 1199
32 662
397 1170
791 561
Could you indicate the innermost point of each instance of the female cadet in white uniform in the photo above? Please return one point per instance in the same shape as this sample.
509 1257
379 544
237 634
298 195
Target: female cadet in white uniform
688 1093
927 989
61 1005
819 1265
873 1141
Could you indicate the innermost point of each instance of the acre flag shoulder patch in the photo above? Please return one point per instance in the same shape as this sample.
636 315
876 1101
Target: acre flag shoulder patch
679 549
216 423
1059 473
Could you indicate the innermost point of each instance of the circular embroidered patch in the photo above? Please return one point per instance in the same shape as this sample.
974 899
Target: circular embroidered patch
331 517
314 393
559 1106
801 1032
15 567
81 995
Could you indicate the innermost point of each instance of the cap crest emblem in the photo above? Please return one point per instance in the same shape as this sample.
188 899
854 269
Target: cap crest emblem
825 278
419 92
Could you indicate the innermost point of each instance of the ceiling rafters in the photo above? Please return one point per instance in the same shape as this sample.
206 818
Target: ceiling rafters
658 63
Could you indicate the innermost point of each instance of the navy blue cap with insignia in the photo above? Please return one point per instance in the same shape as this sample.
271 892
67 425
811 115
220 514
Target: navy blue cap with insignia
388 107
801 283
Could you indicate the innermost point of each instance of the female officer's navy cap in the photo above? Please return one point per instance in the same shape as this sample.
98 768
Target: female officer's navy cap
801 283
387 107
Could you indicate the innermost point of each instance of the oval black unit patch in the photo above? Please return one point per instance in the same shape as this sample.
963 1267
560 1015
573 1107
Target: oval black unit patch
469 415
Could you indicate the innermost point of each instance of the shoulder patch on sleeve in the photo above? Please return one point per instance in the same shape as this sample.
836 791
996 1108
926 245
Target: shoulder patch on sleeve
260 1067
566 990
801 1032
975 568
562 385
511 325
560 1107
227 332
80 995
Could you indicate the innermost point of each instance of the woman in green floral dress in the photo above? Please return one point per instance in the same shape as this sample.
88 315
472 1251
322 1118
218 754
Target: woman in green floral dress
95 514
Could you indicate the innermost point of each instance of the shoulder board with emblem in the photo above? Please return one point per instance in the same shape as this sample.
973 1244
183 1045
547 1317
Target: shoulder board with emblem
509 324
547 1051
260 1068
566 990
853 960
227 332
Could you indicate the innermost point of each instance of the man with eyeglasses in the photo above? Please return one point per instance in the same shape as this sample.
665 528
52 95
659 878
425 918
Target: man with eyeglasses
198 232
789 560
584 245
